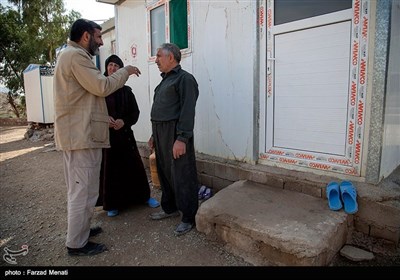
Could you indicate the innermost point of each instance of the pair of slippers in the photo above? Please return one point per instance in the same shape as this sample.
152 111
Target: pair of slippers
204 193
343 195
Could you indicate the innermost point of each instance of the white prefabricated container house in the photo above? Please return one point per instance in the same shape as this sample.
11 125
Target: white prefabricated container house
311 86
109 41
38 83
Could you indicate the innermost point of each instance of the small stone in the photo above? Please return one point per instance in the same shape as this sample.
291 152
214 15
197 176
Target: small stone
356 254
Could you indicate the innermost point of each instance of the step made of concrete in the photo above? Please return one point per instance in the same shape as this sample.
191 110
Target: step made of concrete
271 226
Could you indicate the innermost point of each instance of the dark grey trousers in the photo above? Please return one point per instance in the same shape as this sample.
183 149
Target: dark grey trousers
178 177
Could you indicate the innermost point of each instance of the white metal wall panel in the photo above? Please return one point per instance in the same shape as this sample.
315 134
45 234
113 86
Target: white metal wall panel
132 48
223 68
47 95
223 64
106 49
311 88
33 95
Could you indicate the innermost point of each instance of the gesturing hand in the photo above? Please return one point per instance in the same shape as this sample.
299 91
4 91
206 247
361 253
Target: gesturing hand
133 70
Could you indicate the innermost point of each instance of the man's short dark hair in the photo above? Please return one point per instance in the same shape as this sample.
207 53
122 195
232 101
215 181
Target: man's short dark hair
80 26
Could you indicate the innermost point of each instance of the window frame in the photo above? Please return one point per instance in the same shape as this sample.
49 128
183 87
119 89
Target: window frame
284 16
166 3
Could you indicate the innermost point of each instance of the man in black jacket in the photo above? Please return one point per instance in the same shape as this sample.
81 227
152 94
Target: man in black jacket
172 117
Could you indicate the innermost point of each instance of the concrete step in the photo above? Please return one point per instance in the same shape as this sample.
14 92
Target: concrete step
273 226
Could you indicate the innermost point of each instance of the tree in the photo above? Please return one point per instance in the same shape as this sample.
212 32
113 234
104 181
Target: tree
30 32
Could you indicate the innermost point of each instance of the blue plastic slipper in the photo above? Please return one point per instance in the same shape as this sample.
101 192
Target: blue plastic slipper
349 197
202 190
333 195
153 203
112 213
207 194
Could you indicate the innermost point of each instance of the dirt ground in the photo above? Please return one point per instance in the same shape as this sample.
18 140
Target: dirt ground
33 213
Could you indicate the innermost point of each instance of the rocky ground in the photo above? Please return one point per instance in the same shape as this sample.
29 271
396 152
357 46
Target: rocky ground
33 213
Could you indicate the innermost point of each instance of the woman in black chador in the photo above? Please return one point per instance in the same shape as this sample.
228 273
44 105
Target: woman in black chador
123 180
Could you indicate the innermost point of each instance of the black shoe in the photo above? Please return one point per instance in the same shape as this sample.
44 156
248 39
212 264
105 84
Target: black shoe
183 228
89 249
95 231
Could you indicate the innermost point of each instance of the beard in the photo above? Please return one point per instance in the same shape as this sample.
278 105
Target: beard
93 47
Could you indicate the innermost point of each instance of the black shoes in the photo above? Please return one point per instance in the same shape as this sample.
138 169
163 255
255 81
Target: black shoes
95 231
183 228
89 249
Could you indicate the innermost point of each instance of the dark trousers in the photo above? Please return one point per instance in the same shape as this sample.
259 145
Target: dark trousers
178 177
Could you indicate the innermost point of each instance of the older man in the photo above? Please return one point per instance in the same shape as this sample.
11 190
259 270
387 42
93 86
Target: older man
172 116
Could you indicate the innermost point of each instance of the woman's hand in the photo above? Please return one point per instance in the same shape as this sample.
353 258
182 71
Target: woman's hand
118 124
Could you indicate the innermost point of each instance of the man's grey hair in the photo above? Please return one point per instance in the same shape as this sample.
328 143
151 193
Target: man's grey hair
172 48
